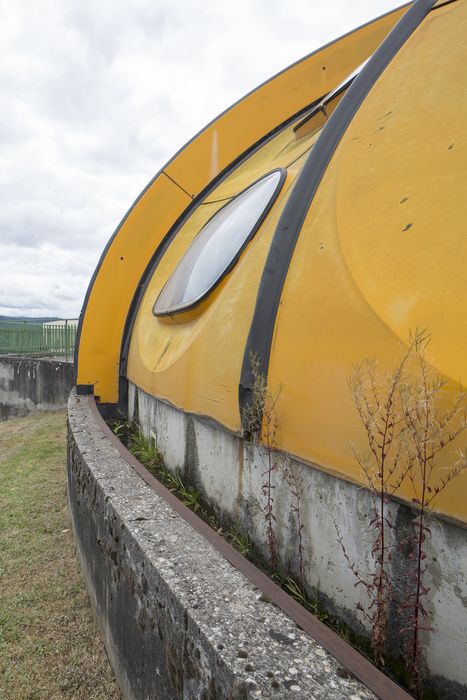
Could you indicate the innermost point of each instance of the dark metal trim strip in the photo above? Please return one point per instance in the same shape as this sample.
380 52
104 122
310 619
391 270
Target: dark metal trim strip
443 4
84 389
293 216
349 657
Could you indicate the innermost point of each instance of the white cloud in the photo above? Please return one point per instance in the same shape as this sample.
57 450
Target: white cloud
96 96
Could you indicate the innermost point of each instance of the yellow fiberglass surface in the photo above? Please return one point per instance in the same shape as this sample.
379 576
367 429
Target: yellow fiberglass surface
379 254
171 193
382 251
193 359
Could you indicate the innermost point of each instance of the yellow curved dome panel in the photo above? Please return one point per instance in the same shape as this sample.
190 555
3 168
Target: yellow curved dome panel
193 360
109 298
361 277
379 252
401 209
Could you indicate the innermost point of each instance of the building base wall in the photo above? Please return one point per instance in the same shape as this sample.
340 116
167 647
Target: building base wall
230 474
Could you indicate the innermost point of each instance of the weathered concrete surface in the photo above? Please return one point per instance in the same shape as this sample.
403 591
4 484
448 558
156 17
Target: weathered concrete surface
33 384
177 619
230 474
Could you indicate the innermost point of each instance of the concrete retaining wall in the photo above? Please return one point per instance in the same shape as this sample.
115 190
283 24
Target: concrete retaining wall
229 472
177 619
33 384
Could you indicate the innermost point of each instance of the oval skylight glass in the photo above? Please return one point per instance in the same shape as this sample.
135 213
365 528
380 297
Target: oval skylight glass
217 247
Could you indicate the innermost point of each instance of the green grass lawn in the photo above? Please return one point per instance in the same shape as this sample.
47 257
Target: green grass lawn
49 643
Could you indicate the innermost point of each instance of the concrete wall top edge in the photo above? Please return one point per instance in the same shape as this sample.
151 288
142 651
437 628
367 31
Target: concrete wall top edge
227 611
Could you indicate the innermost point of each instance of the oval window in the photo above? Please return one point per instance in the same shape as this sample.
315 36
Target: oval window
218 245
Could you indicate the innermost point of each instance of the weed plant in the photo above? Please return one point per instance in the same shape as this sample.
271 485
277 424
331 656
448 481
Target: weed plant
384 467
240 541
295 483
261 422
145 449
433 423
408 422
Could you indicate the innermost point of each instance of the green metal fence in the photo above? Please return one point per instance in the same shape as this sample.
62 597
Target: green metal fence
47 340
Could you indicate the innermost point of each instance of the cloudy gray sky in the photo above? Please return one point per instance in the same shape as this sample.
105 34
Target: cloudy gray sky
97 94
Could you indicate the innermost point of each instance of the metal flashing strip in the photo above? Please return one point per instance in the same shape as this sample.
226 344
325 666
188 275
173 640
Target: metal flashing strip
288 229
358 665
